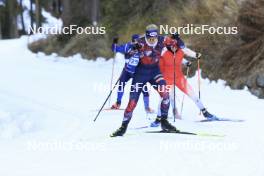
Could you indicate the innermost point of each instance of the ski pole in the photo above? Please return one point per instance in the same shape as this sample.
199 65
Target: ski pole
199 81
110 93
174 93
115 41
112 77
183 97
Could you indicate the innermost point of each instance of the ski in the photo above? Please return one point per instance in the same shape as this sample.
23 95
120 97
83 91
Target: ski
138 128
221 119
177 132
187 133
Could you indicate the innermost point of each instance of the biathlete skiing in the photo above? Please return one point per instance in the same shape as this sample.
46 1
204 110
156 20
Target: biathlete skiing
177 52
128 49
150 47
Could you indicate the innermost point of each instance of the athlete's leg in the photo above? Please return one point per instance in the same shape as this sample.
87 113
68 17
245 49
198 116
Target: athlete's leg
171 103
136 88
183 85
158 110
171 93
159 84
138 82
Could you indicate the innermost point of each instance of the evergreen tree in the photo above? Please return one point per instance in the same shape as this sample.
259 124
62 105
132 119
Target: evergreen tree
11 19
38 13
23 31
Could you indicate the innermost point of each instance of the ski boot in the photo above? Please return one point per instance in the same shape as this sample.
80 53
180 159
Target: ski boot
120 131
156 123
116 105
208 116
166 126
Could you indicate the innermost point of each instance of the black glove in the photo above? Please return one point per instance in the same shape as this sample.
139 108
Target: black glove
189 64
198 55
175 36
115 40
136 46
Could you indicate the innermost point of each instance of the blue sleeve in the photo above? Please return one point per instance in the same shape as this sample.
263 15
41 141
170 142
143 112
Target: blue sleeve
121 48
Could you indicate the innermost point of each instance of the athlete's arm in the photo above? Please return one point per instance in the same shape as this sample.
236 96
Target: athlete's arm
124 48
186 62
190 53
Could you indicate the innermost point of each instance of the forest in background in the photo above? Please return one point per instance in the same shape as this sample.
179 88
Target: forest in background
238 59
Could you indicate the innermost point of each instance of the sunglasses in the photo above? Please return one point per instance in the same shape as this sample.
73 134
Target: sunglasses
152 39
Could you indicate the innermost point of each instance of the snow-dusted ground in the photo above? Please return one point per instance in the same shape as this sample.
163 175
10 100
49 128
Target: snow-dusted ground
47 106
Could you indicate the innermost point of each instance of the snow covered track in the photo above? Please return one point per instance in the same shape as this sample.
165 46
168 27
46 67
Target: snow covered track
47 108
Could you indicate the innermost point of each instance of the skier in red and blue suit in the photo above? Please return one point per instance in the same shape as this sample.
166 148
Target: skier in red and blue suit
128 50
150 47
